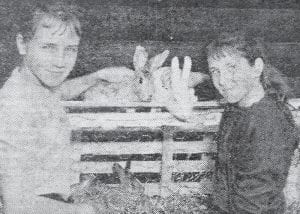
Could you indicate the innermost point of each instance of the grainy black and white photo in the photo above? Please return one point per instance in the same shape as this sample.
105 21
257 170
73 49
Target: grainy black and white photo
149 106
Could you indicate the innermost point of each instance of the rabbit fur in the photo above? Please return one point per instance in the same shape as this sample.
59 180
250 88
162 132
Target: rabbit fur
151 82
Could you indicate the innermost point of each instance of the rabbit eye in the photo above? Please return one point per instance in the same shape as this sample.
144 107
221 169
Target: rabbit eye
141 80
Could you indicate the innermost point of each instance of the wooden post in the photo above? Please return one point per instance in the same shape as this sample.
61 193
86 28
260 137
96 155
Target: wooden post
167 161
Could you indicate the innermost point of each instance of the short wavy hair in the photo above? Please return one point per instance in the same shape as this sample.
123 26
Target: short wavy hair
30 13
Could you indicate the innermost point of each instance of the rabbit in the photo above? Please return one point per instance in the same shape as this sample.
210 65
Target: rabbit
159 77
151 82
161 81
136 89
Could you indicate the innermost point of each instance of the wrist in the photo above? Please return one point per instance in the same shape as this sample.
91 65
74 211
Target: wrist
180 109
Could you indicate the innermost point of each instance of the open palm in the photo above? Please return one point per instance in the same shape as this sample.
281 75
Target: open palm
180 107
180 79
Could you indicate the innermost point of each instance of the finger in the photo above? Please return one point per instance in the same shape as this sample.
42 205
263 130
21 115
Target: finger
175 71
187 66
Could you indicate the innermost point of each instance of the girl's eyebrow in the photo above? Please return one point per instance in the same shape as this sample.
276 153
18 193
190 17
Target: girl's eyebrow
73 46
213 69
231 64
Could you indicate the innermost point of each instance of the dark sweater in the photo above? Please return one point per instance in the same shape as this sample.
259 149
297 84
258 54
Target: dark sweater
255 146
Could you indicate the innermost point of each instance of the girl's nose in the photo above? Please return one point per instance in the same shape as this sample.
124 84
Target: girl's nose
59 61
222 80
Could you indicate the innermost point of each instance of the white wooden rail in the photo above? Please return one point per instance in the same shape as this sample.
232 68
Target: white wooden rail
166 155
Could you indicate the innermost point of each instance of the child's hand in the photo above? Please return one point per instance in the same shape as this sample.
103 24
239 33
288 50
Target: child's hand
180 79
180 105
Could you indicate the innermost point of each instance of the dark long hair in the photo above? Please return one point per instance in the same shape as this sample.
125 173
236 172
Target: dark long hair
251 48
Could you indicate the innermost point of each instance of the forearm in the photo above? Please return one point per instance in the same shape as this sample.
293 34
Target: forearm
38 205
181 111
74 87
114 74
18 199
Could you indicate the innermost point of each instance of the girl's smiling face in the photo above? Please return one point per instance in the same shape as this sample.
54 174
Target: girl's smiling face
234 77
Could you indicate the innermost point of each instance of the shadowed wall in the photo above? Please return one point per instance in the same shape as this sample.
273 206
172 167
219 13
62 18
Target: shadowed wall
113 28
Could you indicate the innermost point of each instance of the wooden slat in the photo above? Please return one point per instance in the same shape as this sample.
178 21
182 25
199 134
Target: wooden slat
205 146
145 134
111 120
166 176
196 155
202 187
210 104
110 178
178 177
106 167
123 157
118 148
204 123
122 117
192 166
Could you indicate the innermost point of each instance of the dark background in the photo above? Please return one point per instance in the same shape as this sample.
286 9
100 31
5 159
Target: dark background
112 29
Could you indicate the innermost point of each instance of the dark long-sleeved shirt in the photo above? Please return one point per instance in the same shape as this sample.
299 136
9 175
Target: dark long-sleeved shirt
255 146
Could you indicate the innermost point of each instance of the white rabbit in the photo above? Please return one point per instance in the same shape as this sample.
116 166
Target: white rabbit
151 82
136 89
161 80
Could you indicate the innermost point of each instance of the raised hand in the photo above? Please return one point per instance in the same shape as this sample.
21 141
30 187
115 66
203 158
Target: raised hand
180 79
180 105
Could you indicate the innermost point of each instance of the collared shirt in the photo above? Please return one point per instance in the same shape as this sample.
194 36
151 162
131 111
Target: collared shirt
34 136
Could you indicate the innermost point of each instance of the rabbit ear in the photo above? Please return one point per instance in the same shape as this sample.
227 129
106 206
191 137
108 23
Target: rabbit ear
158 60
140 58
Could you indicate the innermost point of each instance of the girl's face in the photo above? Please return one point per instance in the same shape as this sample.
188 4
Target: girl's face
233 76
